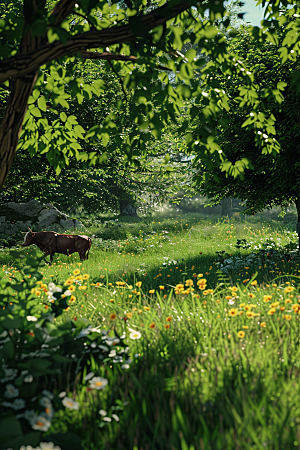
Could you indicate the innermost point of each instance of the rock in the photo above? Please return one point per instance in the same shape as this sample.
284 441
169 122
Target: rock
70 223
47 217
30 209
43 216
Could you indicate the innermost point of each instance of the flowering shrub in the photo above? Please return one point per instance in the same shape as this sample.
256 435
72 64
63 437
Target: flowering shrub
42 354
268 252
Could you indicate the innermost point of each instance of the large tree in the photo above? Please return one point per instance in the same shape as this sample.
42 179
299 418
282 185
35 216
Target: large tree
32 37
141 44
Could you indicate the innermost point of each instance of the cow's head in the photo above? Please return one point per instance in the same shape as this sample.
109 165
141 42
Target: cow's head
28 239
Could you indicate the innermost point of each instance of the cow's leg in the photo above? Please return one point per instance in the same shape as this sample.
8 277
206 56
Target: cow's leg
82 256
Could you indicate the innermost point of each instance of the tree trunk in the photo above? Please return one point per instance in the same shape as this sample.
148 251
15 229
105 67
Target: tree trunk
12 122
297 203
127 208
21 88
226 204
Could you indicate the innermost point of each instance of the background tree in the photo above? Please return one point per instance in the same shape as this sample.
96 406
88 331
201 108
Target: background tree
111 184
268 180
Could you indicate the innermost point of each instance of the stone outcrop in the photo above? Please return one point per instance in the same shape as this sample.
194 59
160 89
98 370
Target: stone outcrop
15 217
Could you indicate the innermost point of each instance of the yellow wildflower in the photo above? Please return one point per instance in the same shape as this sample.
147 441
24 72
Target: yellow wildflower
289 289
233 312
275 304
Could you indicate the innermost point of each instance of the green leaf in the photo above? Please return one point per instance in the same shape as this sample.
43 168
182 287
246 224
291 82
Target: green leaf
186 71
35 94
63 116
105 138
281 85
10 429
178 32
190 54
79 131
42 103
36 112
31 100
211 31
52 36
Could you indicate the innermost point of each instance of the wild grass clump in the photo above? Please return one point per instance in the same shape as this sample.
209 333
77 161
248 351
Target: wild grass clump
200 342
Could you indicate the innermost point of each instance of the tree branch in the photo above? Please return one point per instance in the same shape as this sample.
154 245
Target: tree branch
61 10
108 56
23 64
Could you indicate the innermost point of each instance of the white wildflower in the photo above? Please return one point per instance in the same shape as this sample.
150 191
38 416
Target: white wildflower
18 403
89 376
135 335
30 415
48 394
70 403
31 318
47 446
41 423
107 419
98 383
11 391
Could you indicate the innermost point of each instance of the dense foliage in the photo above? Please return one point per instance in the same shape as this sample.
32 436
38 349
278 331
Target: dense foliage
142 45
268 180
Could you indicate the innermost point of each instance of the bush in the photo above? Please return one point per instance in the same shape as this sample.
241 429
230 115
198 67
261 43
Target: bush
43 355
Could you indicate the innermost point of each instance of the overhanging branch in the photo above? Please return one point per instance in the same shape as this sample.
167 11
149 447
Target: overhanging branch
61 10
107 56
26 63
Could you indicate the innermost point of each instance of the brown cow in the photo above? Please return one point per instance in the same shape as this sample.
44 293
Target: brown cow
50 243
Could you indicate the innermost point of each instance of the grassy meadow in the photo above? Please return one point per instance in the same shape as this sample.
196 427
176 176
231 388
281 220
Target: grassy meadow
208 314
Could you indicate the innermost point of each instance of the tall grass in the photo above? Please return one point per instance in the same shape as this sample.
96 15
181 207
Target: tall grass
215 364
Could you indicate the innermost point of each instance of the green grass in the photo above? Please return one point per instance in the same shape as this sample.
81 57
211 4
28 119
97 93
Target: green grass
195 381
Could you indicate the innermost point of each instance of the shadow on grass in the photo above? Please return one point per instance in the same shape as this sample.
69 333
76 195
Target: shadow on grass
178 398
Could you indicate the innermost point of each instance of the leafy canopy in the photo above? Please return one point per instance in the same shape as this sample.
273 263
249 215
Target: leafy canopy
142 45
265 180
